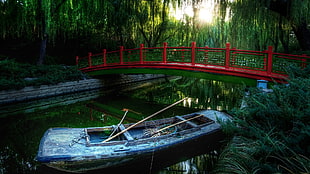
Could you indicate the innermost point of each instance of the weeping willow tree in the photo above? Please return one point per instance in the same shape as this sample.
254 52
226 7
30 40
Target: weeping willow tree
250 24
99 23
91 25
50 20
271 22
152 20
297 15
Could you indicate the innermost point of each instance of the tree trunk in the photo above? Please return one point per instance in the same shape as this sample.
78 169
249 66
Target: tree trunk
303 35
284 36
43 34
44 31
283 7
42 50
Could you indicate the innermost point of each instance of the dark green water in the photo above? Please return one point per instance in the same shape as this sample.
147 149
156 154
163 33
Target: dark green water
21 131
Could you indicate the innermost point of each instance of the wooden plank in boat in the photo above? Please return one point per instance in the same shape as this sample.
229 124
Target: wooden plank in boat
126 134
188 122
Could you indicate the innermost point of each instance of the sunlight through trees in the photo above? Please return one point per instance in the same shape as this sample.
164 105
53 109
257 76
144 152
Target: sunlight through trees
93 25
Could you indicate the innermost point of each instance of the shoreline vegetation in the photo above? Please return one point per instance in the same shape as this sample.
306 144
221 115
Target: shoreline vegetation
16 75
271 134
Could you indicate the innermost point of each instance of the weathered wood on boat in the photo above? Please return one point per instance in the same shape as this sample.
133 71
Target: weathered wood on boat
82 149
175 124
143 120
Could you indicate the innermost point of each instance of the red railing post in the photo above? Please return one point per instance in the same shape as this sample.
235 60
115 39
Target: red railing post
227 56
193 55
141 53
304 61
165 52
269 59
121 60
76 60
89 59
104 54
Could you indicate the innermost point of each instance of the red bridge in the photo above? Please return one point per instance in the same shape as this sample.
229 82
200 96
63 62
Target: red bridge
265 65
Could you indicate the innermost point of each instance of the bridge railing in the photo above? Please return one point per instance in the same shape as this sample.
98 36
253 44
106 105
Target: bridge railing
264 62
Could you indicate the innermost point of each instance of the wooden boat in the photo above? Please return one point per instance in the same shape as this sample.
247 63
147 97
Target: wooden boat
83 149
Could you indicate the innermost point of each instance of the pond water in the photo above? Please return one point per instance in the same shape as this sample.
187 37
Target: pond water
23 125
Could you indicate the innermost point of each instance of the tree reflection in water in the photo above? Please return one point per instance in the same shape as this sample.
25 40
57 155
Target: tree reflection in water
199 164
202 93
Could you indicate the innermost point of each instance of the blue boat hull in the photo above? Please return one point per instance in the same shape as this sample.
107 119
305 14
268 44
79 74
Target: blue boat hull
131 151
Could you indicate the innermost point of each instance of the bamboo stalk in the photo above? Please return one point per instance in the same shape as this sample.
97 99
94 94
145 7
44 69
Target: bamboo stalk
167 127
110 138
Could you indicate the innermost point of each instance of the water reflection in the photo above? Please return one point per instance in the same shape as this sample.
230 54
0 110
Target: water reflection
202 93
22 131
199 164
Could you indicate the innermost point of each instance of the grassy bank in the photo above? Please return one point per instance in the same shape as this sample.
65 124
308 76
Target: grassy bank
272 134
15 75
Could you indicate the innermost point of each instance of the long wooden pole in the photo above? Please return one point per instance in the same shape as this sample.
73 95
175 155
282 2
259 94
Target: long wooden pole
110 138
180 122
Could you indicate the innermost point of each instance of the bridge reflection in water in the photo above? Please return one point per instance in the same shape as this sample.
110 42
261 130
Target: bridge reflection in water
265 65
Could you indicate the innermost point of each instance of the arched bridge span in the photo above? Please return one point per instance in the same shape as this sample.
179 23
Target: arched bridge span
266 65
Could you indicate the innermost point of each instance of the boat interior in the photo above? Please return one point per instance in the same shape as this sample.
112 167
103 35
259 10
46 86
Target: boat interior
148 129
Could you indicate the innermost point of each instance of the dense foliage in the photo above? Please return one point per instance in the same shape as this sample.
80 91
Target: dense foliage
72 27
14 75
271 134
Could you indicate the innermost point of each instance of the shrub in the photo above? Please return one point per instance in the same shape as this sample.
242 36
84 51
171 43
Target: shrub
14 75
272 134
